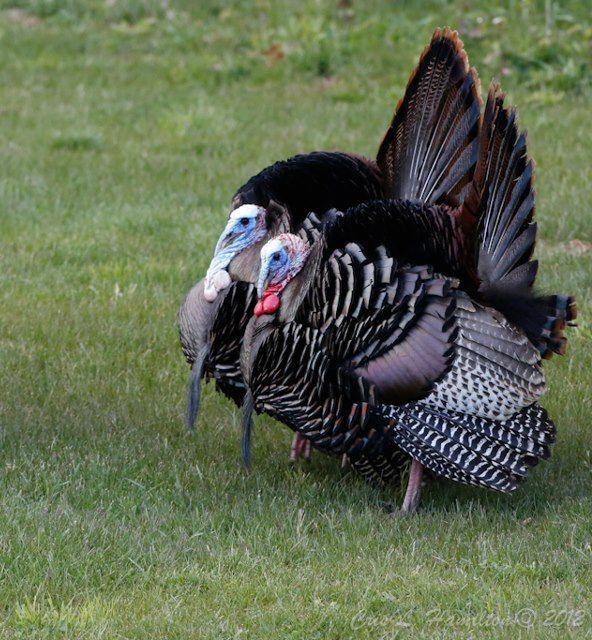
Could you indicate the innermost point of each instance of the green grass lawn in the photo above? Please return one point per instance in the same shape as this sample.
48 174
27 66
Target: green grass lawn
125 127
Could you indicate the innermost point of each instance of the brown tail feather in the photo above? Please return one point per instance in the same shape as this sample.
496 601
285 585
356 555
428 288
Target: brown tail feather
430 149
501 203
501 199
542 318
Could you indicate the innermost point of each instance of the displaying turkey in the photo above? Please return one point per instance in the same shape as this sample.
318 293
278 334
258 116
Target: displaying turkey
363 347
440 110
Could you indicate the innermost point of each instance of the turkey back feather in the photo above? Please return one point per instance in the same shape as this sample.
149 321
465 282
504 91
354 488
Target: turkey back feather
313 181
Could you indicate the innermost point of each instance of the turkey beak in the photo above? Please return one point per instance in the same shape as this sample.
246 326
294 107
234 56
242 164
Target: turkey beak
262 281
247 427
224 241
227 237
197 371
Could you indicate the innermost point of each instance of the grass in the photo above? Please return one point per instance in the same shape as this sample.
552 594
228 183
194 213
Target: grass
125 127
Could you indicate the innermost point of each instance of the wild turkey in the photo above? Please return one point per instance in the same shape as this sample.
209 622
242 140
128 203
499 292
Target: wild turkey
442 95
208 328
356 346
213 315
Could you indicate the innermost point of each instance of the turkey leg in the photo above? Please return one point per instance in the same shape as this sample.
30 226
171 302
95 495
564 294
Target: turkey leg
412 495
301 447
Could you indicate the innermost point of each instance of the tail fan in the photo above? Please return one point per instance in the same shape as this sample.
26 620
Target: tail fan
430 149
501 199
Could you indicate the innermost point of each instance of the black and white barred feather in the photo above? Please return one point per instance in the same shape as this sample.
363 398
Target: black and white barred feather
458 446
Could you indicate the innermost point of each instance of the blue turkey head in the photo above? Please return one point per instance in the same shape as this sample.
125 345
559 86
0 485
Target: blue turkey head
236 256
282 258
275 265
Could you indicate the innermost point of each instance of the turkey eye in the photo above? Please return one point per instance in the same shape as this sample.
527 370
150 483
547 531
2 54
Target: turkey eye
244 222
276 257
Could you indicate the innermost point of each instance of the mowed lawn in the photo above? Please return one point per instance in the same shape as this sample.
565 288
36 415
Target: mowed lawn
125 127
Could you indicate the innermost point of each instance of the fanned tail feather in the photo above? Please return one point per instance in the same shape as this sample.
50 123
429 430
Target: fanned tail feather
501 200
430 149
542 318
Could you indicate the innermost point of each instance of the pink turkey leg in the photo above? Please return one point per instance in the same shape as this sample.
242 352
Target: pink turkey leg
411 501
301 446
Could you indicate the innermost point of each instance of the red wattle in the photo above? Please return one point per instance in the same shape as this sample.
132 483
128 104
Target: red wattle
269 302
